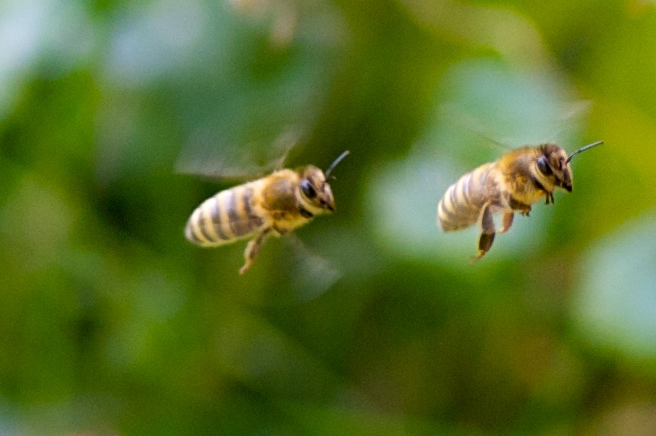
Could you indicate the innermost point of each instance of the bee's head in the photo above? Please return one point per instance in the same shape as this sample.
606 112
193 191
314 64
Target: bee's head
553 164
314 190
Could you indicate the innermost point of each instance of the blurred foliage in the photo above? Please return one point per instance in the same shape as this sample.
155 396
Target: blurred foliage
113 114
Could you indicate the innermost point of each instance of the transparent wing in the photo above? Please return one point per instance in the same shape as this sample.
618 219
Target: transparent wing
294 273
466 121
560 122
210 155
313 274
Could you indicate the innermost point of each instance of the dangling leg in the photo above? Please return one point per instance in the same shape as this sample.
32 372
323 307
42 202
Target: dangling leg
506 222
253 249
524 209
487 237
484 244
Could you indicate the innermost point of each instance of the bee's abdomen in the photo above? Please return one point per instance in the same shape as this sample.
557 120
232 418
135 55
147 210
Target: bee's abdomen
223 218
462 202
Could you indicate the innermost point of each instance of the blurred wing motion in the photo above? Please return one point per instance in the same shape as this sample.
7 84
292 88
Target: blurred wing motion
311 274
560 125
230 160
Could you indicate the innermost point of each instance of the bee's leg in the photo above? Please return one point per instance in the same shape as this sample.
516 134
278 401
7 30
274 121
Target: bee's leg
253 249
280 231
506 222
550 198
524 209
487 236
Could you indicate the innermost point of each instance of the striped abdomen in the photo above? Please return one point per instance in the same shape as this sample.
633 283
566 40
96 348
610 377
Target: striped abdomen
225 217
461 205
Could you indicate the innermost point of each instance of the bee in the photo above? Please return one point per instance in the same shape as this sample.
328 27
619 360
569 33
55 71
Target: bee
511 184
272 205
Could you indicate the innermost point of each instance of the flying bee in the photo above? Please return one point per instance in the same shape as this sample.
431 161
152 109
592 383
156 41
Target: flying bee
511 184
272 205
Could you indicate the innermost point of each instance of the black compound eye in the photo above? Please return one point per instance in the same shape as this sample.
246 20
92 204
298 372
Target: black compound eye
543 166
308 189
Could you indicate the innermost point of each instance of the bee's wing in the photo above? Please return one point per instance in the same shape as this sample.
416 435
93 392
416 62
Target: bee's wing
315 274
214 157
463 120
562 121
301 274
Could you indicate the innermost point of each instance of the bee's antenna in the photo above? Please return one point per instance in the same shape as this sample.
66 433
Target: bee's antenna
582 149
334 164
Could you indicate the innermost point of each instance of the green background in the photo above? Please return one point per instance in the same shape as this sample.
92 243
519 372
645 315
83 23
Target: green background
116 115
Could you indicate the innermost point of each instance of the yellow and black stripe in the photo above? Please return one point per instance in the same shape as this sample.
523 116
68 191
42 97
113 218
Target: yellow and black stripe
223 218
461 205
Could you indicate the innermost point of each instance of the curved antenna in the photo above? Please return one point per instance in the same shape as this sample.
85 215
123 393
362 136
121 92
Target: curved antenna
582 149
335 162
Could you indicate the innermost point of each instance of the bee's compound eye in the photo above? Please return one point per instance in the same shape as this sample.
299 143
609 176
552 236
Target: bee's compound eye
543 166
308 189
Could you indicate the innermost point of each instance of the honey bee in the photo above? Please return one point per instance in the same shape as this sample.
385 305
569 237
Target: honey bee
272 205
511 184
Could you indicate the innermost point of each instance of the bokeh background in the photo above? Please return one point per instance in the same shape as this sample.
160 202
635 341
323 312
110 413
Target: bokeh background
117 116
